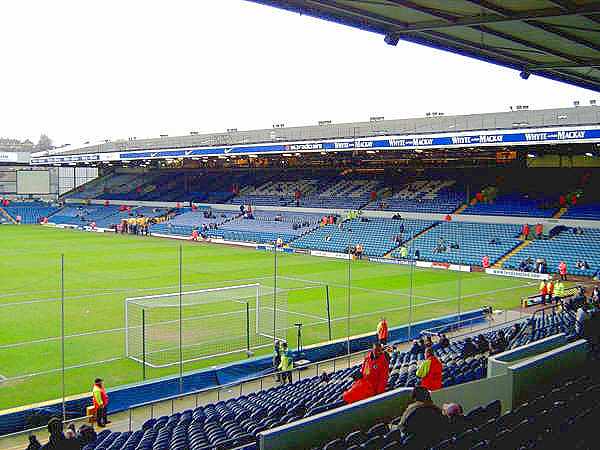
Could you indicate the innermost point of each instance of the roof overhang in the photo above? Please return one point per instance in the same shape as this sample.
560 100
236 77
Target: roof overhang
555 39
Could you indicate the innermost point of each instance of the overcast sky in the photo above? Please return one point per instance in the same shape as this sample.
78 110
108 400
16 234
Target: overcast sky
82 70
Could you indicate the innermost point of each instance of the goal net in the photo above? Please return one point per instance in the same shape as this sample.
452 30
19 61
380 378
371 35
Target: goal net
163 329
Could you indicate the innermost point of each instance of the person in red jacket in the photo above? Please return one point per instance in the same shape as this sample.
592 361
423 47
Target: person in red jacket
525 231
382 331
374 375
550 288
485 262
562 270
430 371
539 228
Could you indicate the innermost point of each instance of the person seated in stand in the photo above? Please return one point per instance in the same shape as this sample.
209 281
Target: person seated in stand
582 265
428 342
422 422
499 343
483 345
373 377
416 348
469 349
456 419
444 341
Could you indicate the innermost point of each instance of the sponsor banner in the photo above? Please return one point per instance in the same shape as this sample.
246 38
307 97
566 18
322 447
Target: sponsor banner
518 274
330 254
270 248
502 138
402 262
444 266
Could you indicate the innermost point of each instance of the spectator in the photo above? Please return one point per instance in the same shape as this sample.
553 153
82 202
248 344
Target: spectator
325 377
550 287
382 331
580 318
444 341
417 254
499 343
582 265
483 345
416 348
562 270
57 439
485 262
456 420
100 399
514 331
422 422
539 228
286 365
373 377
359 251
34 444
469 349
428 342
403 252
430 371
525 231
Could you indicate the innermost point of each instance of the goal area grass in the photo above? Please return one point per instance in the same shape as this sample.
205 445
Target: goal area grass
102 270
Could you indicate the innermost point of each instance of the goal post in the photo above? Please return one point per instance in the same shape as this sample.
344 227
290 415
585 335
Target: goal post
212 322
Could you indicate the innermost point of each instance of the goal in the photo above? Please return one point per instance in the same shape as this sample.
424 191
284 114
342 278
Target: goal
162 330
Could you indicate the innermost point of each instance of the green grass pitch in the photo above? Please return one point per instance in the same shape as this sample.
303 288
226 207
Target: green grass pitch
101 270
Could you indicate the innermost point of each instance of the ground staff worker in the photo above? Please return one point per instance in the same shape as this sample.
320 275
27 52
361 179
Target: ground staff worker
100 399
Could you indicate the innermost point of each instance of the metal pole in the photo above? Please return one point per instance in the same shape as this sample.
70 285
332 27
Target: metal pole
328 310
274 292
143 344
459 270
348 296
180 320
248 327
62 332
412 262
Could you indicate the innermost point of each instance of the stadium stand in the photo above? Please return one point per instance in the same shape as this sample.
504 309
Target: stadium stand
104 216
589 211
474 241
376 235
30 212
236 422
564 245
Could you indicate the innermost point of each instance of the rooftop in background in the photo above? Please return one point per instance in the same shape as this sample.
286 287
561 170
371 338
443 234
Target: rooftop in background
559 40
518 118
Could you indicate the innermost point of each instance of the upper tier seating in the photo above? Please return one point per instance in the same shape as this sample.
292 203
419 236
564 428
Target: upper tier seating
110 186
236 422
377 236
348 192
30 212
423 196
564 246
474 241
513 205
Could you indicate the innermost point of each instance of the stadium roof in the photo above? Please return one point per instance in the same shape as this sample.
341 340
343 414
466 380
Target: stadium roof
556 39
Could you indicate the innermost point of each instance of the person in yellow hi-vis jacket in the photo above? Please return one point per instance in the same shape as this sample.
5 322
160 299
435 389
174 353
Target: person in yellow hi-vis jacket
287 364
100 399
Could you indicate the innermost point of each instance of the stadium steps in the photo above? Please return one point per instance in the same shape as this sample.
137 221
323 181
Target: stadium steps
460 209
558 214
7 215
416 236
498 264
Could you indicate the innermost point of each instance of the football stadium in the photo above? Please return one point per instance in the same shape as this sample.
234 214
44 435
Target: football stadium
429 282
